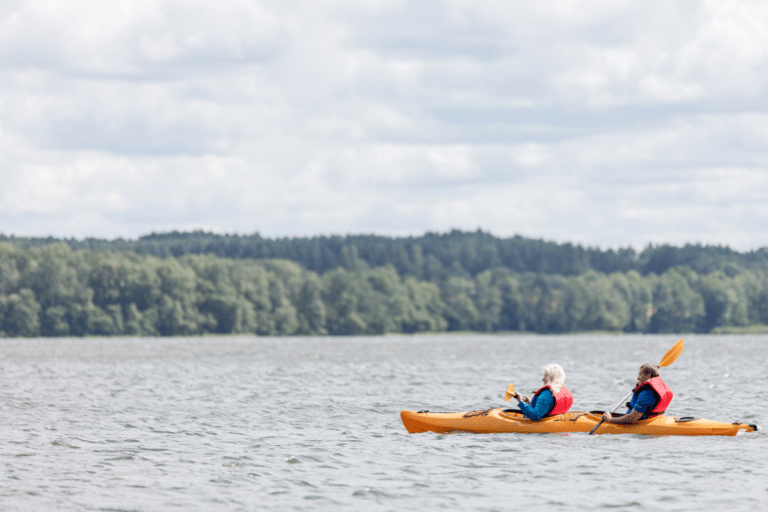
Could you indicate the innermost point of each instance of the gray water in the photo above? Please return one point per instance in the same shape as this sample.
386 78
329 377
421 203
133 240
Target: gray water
227 423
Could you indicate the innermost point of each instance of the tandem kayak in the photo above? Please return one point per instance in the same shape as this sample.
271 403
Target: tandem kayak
491 421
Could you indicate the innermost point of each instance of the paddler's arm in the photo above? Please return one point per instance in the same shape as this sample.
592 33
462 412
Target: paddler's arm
645 402
540 406
626 419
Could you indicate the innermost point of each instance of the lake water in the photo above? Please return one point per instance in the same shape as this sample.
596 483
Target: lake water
244 423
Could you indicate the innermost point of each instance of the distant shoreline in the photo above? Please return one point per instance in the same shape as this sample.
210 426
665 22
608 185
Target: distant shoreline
456 282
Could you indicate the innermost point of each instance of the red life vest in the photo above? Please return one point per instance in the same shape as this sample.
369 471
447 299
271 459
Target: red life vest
661 390
563 400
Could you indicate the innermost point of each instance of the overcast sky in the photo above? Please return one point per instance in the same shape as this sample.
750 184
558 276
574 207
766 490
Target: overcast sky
605 123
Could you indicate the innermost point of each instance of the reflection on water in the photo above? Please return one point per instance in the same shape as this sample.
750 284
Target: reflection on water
227 423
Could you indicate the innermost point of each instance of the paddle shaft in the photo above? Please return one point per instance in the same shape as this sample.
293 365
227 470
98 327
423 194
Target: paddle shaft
612 410
623 400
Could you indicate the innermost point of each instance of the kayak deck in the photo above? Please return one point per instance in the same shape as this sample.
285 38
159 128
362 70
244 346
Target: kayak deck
493 421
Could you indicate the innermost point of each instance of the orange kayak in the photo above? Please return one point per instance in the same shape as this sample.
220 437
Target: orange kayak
493 421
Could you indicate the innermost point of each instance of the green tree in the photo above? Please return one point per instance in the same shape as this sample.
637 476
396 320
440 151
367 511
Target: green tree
310 309
545 299
138 323
511 316
488 302
353 306
607 306
9 272
55 322
460 310
725 301
20 314
283 311
678 307
423 308
637 293
174 318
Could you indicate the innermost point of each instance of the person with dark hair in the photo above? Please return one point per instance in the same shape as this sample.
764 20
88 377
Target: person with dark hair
651 397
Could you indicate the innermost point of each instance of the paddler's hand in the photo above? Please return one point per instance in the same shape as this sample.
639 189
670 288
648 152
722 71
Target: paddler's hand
607 417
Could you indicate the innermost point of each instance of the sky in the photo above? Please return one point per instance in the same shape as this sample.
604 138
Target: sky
606 123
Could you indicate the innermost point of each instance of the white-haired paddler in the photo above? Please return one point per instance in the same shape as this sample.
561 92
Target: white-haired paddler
552 399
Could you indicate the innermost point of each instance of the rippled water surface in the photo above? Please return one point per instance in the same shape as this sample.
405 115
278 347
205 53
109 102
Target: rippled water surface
229 423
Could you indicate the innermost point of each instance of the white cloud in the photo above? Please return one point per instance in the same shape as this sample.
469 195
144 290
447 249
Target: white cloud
609 123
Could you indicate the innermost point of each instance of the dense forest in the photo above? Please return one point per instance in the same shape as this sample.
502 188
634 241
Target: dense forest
431 257
199 283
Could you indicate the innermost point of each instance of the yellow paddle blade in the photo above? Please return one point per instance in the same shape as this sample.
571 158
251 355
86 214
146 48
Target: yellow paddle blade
673 354
510 392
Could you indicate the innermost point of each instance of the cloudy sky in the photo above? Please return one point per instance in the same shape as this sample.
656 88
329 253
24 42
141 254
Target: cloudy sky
606 123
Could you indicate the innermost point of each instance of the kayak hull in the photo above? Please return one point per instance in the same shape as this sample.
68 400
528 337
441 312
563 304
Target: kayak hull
495 421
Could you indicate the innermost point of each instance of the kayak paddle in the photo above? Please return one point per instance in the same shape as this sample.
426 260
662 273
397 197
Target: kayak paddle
667 360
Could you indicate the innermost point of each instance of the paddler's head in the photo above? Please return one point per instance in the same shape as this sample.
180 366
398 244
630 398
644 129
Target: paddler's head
647 372
554 376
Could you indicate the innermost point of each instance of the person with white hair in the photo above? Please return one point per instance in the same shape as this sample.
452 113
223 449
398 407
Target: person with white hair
651 397
552 399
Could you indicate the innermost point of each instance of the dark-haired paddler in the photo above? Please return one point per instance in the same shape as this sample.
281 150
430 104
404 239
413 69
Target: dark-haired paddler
651 397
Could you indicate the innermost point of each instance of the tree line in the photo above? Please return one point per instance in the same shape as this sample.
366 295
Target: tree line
55 290
433 257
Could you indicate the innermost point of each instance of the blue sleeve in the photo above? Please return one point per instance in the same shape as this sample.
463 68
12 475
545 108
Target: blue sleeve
540 405
644 402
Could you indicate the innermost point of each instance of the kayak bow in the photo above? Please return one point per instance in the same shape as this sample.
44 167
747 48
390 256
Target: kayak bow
492 421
